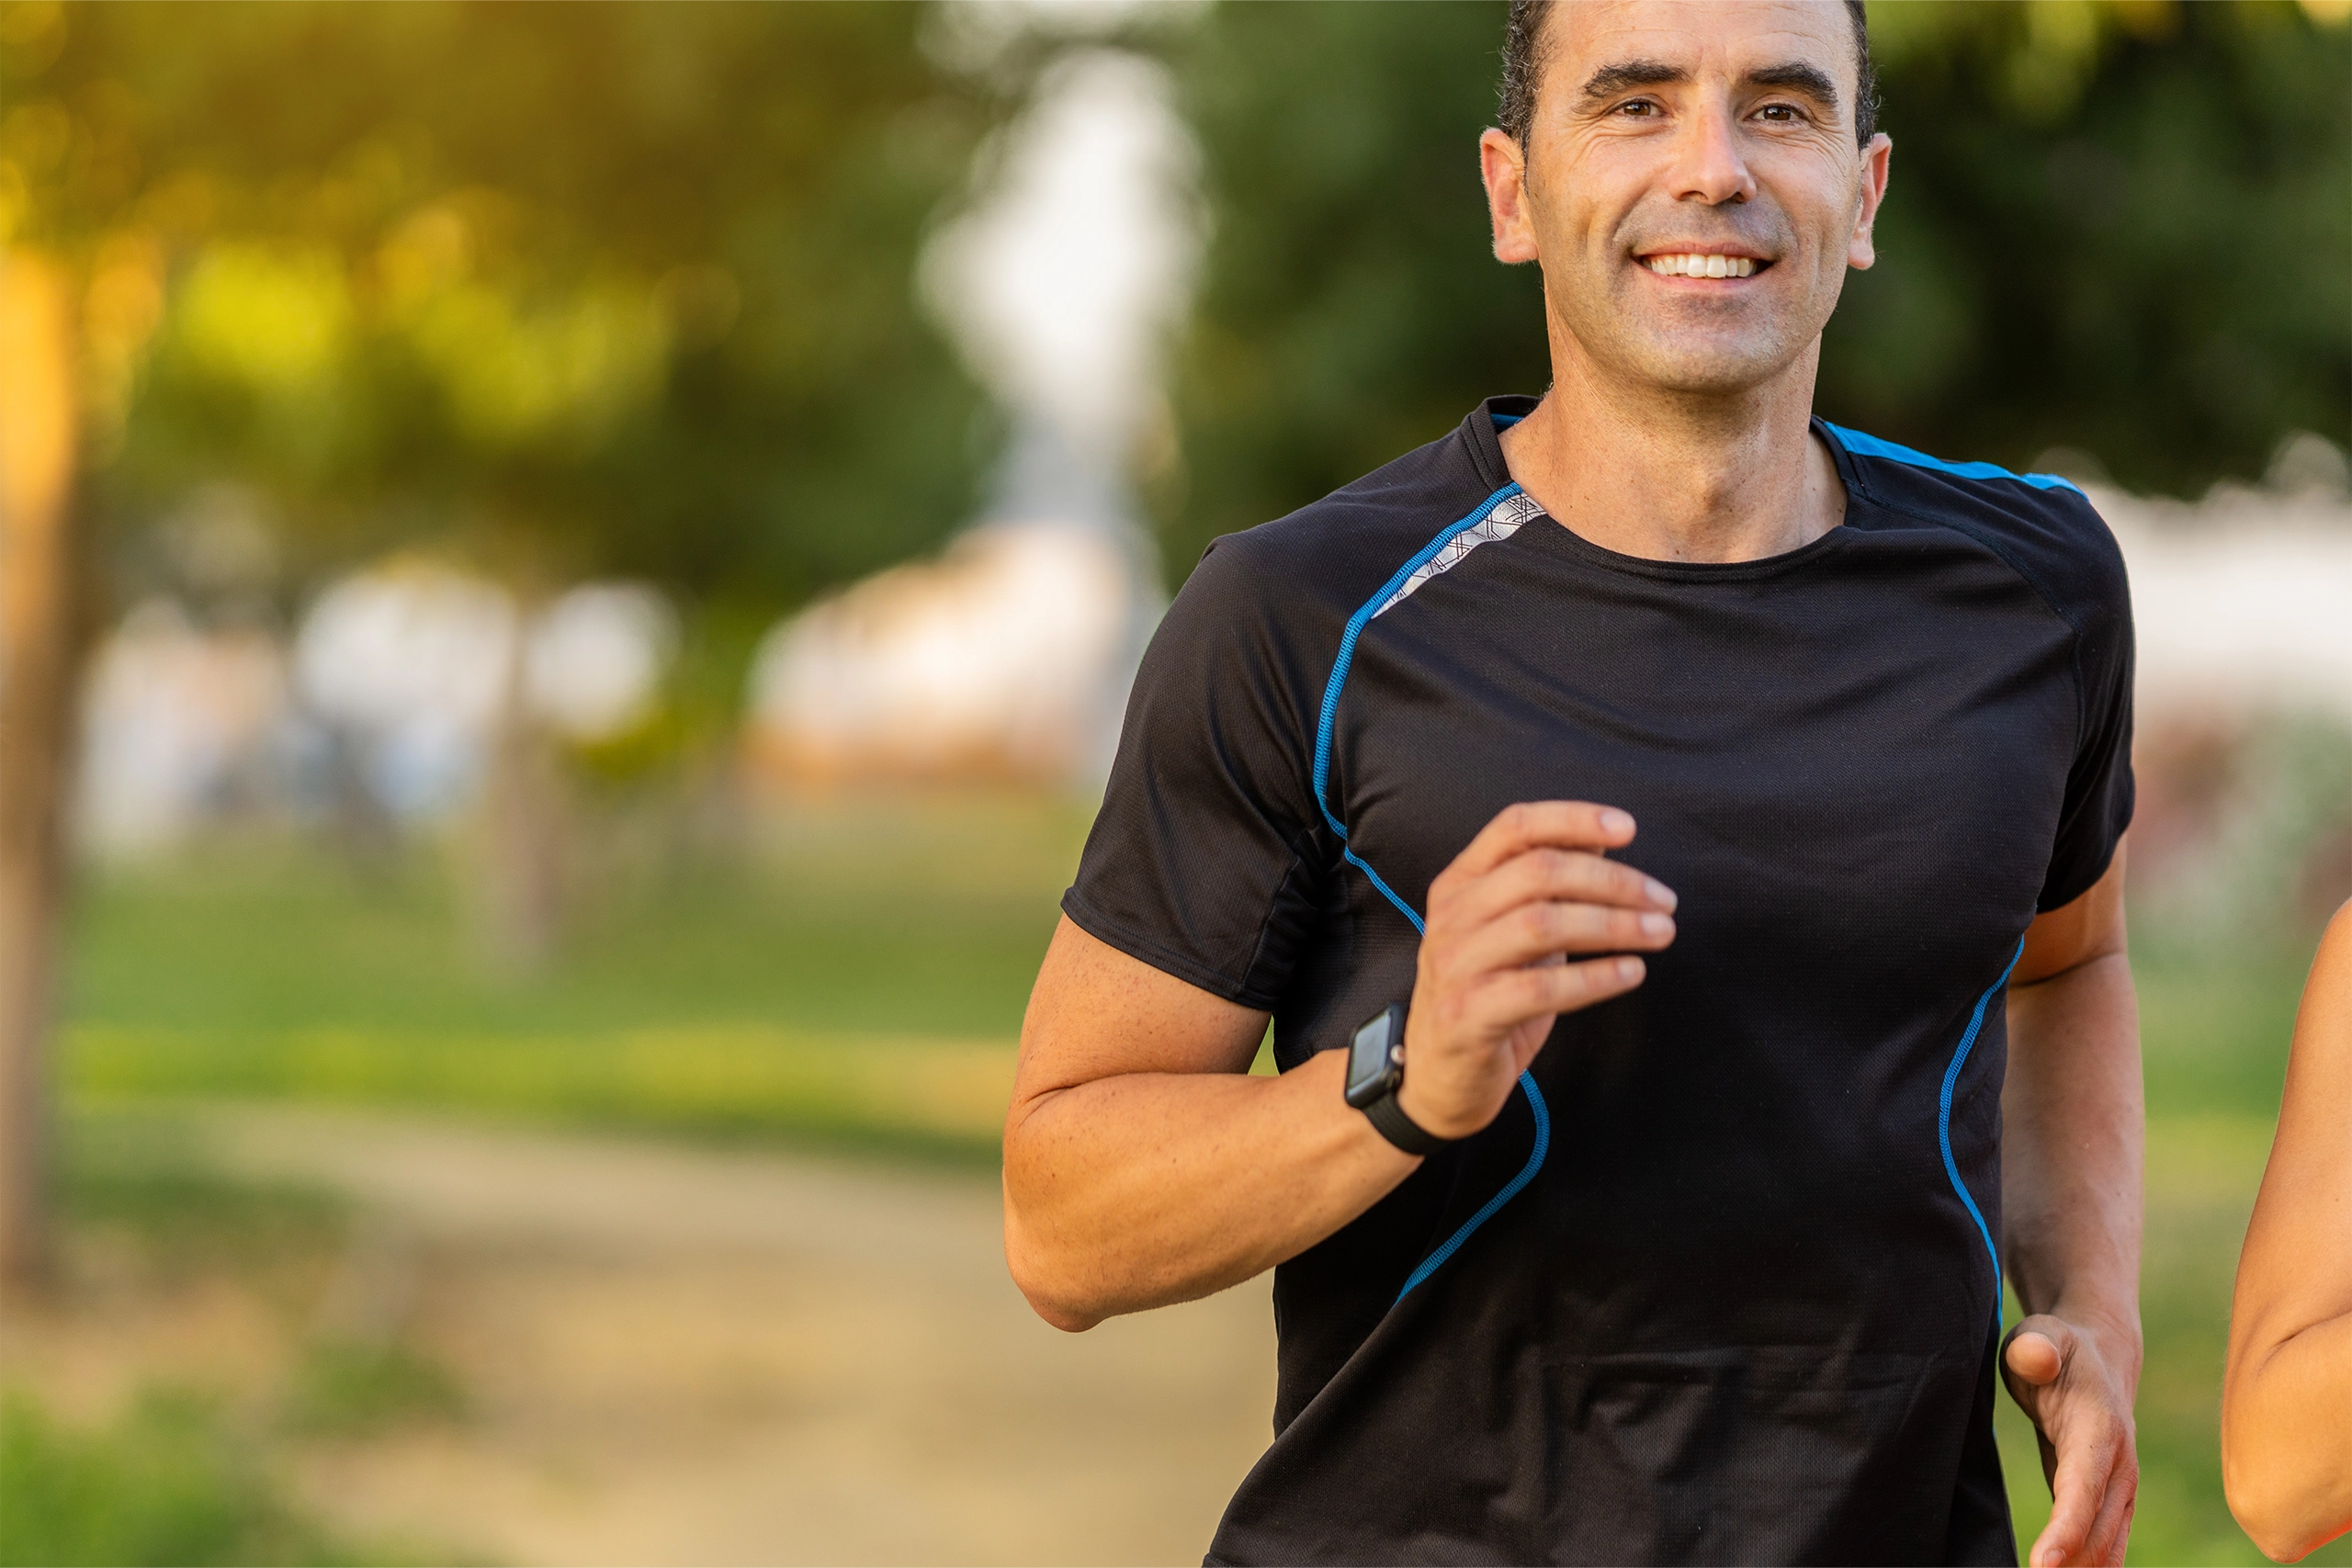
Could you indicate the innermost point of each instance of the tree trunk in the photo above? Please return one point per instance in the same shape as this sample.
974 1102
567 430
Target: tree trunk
521 854
38 647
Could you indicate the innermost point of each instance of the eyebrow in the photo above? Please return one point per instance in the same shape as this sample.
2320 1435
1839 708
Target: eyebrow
1794 74
1798 77
1612 79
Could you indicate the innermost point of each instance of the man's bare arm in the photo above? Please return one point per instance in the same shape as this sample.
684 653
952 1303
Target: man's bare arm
1142 1166
2287 1397
2072 1146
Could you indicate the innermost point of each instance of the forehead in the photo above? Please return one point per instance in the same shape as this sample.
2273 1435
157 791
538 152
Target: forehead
1700 36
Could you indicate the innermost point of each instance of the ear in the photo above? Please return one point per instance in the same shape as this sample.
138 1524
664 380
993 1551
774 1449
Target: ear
1504 168
1861 254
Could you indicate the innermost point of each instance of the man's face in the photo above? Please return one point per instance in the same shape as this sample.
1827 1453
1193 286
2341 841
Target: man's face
1676 139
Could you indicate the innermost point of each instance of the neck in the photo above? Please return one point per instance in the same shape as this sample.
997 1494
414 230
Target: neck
1675 476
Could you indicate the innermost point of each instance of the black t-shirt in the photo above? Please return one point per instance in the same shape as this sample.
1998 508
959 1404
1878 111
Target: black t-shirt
1719 1283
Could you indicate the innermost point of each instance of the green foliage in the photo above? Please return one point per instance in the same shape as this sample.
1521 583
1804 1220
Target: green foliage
351 1387
1349 309
140 1182
2128 234
166 1483
626 289
2119 228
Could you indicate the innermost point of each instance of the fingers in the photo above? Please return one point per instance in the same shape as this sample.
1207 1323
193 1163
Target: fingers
2076 1494
1531 890
1516 995
1527 889
2112 1533
1559 824
1541 873
1533 932
2091 1498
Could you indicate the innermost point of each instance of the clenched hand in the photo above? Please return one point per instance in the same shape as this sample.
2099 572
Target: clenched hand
1499 960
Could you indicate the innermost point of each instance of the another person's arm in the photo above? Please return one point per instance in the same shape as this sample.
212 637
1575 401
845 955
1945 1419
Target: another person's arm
2071 1205
1142 1166
2287 1394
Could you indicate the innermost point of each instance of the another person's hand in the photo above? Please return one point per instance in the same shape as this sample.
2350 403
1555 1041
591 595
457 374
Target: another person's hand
2080 1402
1530 890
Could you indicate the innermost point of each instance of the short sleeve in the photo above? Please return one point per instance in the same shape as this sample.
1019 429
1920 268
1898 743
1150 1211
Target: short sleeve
1206 861
2099 787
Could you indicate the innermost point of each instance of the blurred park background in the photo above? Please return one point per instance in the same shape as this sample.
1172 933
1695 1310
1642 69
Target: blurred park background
567 583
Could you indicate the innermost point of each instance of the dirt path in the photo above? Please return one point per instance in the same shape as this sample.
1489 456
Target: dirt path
677 1356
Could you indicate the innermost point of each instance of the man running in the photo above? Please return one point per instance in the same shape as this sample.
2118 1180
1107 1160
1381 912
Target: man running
1678 844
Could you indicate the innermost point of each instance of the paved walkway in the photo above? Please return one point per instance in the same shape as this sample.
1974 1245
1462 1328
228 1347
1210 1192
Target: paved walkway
682 1356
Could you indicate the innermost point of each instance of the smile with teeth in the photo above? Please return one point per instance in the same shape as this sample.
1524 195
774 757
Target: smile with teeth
1701 266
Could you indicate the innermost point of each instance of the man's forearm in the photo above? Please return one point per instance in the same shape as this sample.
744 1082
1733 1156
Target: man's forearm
1146 1189
2073 1150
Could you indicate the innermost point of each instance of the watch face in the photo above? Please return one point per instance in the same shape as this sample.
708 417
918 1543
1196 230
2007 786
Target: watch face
1371 1065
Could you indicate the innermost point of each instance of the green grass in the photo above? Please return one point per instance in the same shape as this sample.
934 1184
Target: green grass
192 1471
143 1181
857 980
168 1481
860 980
909 1095
348 1388
918 919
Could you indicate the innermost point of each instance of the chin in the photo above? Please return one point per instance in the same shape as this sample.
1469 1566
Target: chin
1698 358
1720 372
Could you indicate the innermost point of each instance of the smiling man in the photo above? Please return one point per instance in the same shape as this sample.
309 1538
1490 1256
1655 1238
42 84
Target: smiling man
1678 845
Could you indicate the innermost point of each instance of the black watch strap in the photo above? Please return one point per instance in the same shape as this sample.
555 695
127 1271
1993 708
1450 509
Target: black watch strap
1400 1129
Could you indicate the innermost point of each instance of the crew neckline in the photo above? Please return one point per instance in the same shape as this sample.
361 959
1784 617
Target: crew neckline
1496 414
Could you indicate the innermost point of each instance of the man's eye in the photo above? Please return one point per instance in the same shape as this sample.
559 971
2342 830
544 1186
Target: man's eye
1640 106
1781 113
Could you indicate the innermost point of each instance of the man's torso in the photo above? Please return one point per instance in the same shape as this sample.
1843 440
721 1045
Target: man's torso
1719 1285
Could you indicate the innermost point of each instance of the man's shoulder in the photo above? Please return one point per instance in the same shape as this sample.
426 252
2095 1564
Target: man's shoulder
2043 526
1334 553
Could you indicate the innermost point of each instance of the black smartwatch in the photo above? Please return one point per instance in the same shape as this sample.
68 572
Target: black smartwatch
1375 1072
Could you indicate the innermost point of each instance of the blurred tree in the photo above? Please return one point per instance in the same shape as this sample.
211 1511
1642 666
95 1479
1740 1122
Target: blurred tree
628 286
2125 229
37 648
1351 307
2115 225
616 289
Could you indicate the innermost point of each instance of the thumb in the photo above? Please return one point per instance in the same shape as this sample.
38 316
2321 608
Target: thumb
2034 1358
2037 1350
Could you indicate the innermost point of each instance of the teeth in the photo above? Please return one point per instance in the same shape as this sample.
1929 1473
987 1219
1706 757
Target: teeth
1701 266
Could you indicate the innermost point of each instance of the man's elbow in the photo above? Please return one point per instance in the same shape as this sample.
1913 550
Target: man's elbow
1063 1312
1048 1282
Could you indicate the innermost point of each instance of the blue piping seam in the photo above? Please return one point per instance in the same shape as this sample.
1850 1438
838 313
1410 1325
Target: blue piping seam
1436 1260
1863 446
1348 651
1943 1122
1356 623
1386 892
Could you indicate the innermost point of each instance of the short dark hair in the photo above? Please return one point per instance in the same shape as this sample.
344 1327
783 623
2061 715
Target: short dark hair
1524 50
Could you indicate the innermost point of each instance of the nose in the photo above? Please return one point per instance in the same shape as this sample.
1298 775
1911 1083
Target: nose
1708 165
